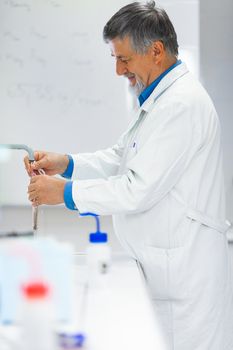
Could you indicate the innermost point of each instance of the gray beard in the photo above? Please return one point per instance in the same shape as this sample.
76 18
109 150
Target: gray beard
137 89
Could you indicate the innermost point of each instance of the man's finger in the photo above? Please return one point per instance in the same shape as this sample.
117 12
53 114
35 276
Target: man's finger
34 179
36 203
36 165
27 165
32 196
31 188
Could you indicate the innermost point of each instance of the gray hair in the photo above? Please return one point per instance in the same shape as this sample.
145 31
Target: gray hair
143 23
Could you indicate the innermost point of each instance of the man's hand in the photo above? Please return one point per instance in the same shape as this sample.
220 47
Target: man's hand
45 189
51 163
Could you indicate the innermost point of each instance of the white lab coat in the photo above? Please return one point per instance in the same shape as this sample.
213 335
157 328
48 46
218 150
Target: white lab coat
163 184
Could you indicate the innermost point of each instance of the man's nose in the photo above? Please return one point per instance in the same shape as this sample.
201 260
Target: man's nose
121 69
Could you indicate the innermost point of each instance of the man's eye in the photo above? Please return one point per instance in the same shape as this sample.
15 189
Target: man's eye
124 61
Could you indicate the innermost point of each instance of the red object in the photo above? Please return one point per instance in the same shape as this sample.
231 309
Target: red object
35 290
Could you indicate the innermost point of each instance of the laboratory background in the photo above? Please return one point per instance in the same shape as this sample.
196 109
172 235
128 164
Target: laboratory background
59 92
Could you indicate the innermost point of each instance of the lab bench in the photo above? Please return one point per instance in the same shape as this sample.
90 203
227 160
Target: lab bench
118 316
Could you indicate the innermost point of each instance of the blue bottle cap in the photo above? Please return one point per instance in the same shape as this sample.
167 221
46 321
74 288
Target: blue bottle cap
98 237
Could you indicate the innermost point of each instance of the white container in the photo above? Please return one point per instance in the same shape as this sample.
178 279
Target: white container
98 256
37 319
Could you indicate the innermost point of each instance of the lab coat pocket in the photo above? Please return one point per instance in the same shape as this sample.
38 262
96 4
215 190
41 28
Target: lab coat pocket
166 272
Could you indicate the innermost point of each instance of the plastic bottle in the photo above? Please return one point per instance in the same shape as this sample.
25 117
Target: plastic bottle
37 318
98 255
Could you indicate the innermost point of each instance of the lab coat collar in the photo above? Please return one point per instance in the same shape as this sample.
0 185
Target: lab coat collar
164 84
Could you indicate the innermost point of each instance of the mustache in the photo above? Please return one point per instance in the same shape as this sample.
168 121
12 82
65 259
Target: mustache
129 75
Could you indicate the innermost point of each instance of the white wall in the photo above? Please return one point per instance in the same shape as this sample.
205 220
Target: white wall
216 71
52 64
185 16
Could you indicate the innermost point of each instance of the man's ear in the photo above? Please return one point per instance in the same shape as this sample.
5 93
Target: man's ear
158 50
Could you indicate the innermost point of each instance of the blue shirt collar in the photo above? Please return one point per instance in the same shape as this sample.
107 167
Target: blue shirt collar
149 89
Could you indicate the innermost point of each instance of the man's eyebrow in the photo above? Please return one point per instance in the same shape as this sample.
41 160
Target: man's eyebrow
119 56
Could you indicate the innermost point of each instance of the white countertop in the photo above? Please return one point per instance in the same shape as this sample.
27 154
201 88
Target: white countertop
120 316
117 317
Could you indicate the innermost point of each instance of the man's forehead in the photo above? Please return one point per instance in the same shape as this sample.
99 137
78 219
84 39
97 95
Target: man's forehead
120 47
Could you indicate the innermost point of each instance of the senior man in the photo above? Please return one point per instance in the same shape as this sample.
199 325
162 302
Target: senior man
162 182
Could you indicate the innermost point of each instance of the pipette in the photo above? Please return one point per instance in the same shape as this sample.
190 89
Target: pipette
20 147
31 158
35 208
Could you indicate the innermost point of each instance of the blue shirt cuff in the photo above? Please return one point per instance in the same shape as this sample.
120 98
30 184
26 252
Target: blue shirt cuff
70 167
68 198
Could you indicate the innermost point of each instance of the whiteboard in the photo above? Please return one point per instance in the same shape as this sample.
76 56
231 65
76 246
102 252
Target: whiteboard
58 87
